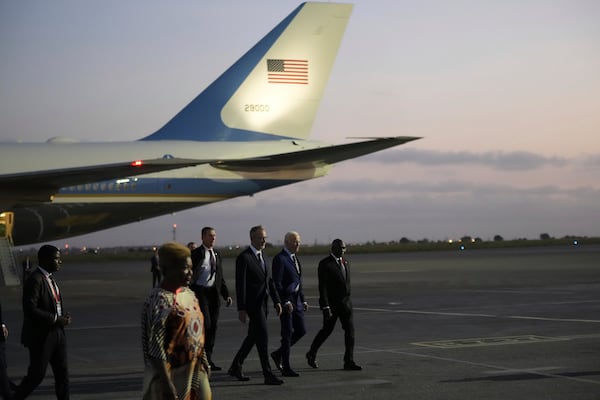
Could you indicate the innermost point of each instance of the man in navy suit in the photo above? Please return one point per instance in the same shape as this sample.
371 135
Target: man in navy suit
335 302
287 276
253 286
44 320
209 285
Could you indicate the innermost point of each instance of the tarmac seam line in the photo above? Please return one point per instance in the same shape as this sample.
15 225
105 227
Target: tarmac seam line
489 366
458 314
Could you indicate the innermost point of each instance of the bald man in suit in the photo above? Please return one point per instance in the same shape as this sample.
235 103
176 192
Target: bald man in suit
335 302
43 332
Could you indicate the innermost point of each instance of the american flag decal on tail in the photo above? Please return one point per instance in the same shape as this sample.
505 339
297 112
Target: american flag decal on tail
287 71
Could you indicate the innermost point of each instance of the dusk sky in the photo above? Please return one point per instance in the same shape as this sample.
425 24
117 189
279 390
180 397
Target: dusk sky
505 94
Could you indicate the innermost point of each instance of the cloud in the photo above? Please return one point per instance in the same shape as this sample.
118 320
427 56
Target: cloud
324 209
350 190
591 161
360 202
499 160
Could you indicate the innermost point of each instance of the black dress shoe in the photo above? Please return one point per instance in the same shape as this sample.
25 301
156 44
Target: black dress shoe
276 356
289 372
237 373
272 380
215 367
312 360
352 367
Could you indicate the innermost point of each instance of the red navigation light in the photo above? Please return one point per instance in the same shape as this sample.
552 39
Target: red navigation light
137 163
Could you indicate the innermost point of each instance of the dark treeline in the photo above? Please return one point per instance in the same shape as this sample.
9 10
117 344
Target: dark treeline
402 245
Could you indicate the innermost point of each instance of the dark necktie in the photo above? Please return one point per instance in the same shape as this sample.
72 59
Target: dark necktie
213 264
342 267
296 263
261 260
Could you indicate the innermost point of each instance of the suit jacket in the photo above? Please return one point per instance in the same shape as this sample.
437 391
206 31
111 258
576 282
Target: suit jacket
2 338
198 258
253 284
287 279
334 289
39 309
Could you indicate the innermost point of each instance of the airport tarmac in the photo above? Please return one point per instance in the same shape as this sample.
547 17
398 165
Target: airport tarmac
473 324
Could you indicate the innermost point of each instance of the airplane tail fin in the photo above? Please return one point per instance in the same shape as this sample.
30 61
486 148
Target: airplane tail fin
274 90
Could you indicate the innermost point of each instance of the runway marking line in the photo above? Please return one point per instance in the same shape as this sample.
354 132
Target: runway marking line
459 314
490 341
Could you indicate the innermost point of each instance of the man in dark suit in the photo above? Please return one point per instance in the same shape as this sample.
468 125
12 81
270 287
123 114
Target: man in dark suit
44 320
287 275
253 286
335 302
155 269
5 383
208 284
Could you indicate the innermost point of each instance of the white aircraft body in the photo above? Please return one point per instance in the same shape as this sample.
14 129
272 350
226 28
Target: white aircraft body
246 132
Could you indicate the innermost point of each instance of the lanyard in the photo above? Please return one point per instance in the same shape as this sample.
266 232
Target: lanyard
54 289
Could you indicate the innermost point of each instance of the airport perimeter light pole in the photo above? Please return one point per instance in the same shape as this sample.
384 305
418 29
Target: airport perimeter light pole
174 232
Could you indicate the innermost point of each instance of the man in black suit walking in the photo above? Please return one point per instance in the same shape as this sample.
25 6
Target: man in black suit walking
335 302
208 284
43 332
253 286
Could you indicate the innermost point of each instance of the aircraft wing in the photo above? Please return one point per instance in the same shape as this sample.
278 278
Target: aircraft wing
319 156
41 185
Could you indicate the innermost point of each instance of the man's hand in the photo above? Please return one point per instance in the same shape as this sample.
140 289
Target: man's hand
305 304
229 301
289 308
242 316
327 313
278 309
64 320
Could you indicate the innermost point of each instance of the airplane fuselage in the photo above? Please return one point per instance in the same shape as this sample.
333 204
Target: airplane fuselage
82 208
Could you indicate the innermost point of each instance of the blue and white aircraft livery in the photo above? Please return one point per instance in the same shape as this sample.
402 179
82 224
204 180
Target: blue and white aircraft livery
246 132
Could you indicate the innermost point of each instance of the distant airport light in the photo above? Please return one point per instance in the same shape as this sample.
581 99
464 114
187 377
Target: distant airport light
137 163
575 242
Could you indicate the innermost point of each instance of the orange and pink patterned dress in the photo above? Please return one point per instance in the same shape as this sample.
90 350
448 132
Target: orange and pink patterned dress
173 331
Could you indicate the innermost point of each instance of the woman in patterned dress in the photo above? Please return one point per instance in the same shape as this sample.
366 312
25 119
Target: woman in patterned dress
176 367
